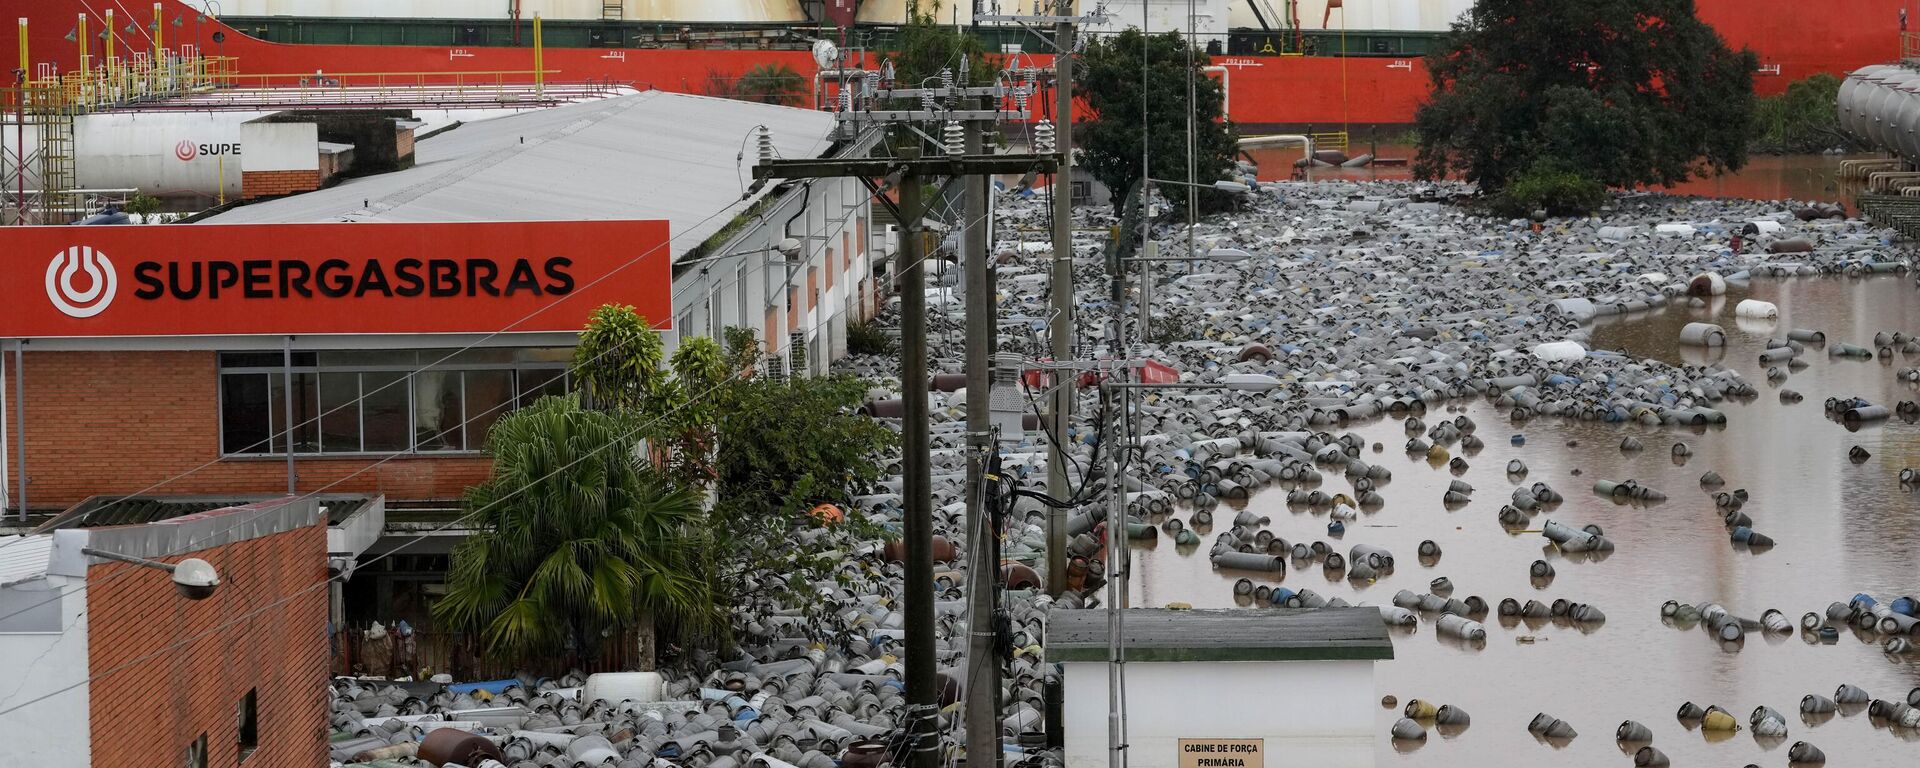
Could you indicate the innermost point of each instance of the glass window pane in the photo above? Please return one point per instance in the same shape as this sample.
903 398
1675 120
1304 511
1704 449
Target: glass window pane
368 358
489 396
306 400
340 412
384 400
544 354
245 408
436 411
537 383
275 359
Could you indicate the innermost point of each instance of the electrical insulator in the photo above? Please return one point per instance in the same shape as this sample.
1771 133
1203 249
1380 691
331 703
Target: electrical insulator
927 101
1043 137
946 78
765 141
873 83
956 138
846 100
886 70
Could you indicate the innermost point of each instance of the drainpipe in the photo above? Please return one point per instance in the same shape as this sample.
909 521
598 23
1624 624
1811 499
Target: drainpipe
286 362
20 422
4 497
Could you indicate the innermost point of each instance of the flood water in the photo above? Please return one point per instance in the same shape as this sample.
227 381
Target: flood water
1765 177
1841 528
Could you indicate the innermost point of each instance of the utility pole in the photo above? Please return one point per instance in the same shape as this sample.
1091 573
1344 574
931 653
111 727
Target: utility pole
917 481
923 703
983 669
1060 325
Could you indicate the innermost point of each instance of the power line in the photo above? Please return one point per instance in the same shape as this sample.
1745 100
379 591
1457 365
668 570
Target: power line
403 545
383 460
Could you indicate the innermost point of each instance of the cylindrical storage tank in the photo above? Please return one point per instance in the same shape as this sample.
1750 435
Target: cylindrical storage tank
616 687
1703 335
162 154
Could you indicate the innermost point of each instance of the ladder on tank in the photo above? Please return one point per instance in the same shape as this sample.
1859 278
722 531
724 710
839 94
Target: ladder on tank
613 10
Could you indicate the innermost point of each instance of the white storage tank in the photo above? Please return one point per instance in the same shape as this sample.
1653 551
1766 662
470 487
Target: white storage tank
621 686
161 154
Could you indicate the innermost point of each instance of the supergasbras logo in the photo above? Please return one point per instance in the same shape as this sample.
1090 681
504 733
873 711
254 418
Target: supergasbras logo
63 287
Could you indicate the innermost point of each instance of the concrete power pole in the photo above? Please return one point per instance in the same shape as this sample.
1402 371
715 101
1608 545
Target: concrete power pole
923 703
1060 325
983 571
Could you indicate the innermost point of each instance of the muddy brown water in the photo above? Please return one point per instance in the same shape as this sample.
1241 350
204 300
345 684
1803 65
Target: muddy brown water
1765 177
1841 528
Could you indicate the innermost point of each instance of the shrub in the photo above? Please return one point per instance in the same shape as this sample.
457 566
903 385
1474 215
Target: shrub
868 338
1549 185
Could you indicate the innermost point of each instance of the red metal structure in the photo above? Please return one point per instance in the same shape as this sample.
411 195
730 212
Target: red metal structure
1793 39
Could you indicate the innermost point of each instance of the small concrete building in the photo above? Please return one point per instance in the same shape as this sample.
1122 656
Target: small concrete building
1224 688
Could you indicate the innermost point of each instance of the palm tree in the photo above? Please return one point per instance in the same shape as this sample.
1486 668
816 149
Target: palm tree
574 539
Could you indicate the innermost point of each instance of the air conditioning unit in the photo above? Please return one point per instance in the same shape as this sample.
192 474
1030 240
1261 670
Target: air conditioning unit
797 354
777 368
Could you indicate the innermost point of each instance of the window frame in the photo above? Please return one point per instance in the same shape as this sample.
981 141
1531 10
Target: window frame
247 725
277 446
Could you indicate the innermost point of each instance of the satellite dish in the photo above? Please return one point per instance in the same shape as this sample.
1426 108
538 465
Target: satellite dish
826 54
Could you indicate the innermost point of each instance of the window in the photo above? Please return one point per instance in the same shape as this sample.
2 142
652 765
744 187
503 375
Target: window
197 752
378 401
248 714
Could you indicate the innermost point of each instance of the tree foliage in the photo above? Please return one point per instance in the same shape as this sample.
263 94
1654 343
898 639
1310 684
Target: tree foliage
618 362
574 538
786 447
1805 118
1629 92
771 83
924 46
1111 83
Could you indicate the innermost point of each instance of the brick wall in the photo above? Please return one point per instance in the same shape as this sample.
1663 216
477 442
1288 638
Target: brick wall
258 184
118 422
403 144
150 698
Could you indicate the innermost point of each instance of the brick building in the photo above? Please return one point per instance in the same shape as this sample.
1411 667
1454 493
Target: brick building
115 669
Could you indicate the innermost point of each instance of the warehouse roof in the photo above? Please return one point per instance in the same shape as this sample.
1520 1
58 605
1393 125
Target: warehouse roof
1153 634
650 155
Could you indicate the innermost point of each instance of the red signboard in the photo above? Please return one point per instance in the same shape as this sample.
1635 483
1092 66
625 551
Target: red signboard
1158 373
205 279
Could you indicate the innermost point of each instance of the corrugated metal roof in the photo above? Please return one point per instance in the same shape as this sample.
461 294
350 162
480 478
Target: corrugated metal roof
102 511
24 558
1154 634
651 155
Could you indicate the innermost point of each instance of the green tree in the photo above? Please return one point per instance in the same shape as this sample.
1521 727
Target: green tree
619 360
1629 92
142 205
700 393
786 447
1805 118
575 539
772 83
1114 89
924 46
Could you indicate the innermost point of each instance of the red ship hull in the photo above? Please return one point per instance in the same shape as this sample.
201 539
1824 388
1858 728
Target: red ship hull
1793 38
